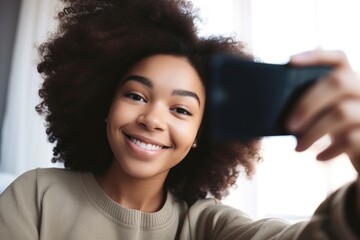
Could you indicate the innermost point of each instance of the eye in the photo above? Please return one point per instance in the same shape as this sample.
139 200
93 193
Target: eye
181 111
135 97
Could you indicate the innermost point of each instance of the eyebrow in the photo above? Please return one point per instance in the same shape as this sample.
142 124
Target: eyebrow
186 93
177 92
143 80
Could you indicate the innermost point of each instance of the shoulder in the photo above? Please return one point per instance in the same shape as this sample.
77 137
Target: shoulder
212 209
51 175
43 178
209 217
47 174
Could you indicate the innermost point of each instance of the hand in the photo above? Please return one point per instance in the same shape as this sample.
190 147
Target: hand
331 106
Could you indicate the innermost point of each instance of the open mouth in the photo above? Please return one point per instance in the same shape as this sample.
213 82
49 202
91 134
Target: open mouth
145 146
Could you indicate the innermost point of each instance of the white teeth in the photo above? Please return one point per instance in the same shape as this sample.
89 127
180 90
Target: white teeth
149 147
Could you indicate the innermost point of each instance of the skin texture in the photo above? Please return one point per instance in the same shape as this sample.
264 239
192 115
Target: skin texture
331 107
165 110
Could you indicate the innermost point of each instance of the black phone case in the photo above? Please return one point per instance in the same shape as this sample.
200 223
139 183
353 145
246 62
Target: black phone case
250 99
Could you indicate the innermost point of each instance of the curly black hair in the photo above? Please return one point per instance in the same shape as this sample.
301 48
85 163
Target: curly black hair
96 43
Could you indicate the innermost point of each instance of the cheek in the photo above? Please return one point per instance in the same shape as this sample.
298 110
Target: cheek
117 117
119 113
184 134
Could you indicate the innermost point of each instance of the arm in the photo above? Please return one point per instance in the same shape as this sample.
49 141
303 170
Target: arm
19 209
331 107
352 210
211 220
357 204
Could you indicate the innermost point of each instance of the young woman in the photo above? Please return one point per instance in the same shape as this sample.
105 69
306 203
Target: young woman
124 101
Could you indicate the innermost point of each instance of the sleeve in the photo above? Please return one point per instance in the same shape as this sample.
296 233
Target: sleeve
19 209
330 221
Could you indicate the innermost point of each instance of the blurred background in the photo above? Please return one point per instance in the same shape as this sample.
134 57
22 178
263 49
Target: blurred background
287 184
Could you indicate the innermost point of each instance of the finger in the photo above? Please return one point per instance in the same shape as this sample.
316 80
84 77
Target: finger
335 87
336 59
354 150
348 143
341 118
331 152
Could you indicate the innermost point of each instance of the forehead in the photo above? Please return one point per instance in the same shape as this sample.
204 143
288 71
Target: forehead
168 70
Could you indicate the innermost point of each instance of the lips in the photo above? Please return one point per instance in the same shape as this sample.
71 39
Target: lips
146 144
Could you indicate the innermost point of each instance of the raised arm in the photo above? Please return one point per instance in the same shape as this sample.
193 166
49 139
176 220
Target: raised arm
331 107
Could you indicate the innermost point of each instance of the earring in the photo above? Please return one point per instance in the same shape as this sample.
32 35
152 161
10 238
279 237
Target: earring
194 145
106 120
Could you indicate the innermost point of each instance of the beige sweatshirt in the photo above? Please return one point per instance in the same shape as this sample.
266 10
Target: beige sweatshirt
55 204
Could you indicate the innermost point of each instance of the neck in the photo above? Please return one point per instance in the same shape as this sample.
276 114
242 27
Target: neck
145 195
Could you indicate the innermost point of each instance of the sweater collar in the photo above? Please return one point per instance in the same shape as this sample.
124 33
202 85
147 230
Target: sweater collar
124 215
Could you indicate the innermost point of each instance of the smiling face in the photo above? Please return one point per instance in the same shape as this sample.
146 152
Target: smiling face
155 116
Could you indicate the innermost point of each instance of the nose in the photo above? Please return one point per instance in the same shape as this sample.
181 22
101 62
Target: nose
153 118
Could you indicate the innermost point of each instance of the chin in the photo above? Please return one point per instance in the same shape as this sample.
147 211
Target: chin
144 172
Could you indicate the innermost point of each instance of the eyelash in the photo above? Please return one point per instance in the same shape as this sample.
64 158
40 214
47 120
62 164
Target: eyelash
183 111
139 98
135 97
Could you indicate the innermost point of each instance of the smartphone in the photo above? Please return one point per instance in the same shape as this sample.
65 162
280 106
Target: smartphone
248 99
